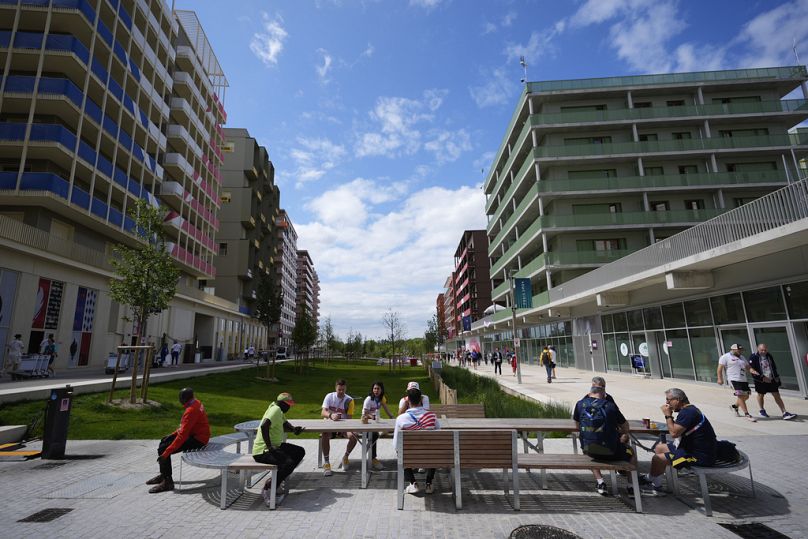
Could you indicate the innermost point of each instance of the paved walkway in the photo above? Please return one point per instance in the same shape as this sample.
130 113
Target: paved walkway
641 397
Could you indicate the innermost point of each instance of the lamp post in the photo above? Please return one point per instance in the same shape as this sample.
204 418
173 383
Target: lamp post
516 342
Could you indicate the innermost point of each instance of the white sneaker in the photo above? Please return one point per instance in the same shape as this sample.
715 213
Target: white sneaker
377 465
413 488
345 463
327 470
749 418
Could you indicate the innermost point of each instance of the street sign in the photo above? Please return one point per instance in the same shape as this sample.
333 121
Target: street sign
523 294
516 343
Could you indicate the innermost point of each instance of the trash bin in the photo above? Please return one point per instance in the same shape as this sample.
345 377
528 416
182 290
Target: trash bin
413 362
57 419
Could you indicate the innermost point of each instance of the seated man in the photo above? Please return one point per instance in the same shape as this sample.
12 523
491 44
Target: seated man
603 431
697 442
194 432
404 403
269 447
337 405
416 417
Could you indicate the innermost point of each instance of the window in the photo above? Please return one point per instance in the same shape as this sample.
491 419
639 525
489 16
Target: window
583 108
698 313
764 305
642 104
745 99
587 140
685 135
662 205
654 171
675 103
617 244
229 147
586 174
645 137
728 309
222 248
797 299
688 169
674 315
589 209
694 204
757 131
226 197
740 201
763 166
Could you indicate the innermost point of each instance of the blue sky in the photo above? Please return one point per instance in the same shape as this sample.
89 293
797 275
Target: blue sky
381 116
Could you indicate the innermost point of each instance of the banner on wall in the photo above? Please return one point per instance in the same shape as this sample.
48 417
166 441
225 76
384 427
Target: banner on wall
47 306
83 320
473 344
8 291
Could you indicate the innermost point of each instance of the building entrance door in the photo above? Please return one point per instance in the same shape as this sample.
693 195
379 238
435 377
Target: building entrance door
778 343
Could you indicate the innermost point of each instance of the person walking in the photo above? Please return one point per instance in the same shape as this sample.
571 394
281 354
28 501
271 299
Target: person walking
269 447
12 361
767 380
176 349
553 356
546 360
50 351
736 366
514 361
497 359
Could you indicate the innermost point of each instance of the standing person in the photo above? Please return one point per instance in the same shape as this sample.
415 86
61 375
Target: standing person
603 430
15 348
497 358
546 361
767 380
404 403
176 350
194 432
269 447
50 351
163 354
514 361
553 356
487 355
416 417
736 366
371 410
337 405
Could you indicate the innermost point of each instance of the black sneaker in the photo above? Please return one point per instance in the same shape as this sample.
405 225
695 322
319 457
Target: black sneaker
734 408
602 490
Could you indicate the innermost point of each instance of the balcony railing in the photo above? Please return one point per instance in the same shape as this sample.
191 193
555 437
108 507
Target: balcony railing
530 198
629 218
769 212
517 179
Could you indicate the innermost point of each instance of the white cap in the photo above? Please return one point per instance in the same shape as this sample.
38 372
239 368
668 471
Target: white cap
736 347
413 385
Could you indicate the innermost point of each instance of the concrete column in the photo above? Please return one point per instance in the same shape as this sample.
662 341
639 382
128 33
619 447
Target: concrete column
549 279
796 164
634 133
629 100
804 89
707 133
785 167
640 166
645 204
713 162
544 244
651 236
721 202
530 105
700 95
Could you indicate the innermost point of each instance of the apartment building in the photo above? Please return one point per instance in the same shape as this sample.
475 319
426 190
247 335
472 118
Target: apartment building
440 316
286 278
101 105
472 290
250 204
600 184
308 285
450 309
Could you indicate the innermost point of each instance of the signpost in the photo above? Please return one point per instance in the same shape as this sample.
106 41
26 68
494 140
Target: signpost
521 298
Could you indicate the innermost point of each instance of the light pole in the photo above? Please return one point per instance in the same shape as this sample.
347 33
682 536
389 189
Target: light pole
516 342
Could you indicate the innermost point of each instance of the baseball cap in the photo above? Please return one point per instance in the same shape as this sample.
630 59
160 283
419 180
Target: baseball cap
285 397
736 347
413 385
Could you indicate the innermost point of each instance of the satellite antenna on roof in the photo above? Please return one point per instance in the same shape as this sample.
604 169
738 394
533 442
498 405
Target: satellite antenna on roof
794 48
523 63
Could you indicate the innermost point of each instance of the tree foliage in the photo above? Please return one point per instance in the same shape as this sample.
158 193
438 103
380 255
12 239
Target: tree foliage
305 333
395 329
268 301
432 334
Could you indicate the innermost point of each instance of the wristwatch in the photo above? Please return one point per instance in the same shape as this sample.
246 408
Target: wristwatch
668 417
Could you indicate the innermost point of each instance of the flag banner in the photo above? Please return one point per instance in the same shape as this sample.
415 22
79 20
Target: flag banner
523 293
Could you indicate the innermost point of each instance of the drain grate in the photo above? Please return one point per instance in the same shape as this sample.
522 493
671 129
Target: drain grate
46 515
541 531
48 465
756 530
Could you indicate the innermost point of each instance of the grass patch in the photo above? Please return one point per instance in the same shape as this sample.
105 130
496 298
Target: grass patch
229 398
473 389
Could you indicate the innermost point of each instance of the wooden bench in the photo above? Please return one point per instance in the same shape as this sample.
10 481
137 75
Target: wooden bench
537 461
424 449
720 467
458 410
479 450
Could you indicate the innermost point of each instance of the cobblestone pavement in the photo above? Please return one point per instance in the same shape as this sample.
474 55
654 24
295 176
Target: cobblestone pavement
103 483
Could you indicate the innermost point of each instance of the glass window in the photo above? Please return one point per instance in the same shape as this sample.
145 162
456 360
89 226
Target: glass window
610 348
623 352
698 313
705 353
679 353
606 321
620 323
764 305
673 315
728 309
797 299
635 320
653 318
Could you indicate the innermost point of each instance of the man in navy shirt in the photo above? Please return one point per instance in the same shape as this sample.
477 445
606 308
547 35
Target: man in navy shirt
697 444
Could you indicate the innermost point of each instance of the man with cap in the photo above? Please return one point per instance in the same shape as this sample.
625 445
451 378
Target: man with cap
736 367
194 432
269 447
404 403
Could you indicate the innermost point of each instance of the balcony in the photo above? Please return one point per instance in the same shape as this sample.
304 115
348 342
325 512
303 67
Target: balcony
669 182
172 193
531 197
246 274
179 133
248 222
517 180
642 219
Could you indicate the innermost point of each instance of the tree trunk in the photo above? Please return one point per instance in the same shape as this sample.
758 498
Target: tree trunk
139 337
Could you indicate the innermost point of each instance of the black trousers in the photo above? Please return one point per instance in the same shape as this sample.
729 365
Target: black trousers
373 439
498 367
409 475
292 456
165 464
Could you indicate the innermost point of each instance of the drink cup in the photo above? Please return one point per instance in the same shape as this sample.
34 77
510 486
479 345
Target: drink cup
364 420
646 422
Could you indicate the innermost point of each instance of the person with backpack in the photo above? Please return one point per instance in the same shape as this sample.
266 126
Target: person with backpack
603 431
546 360
697 442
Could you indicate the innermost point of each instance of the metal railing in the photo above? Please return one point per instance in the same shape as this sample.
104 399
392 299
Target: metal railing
769 212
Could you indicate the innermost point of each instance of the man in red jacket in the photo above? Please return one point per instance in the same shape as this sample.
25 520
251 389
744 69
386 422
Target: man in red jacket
194 432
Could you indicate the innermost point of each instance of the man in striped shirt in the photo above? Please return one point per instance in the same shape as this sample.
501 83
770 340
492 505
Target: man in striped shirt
416 418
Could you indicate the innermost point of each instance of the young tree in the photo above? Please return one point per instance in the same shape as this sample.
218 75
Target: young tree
268 303
431 335
394 330
328 337
304 335
146 275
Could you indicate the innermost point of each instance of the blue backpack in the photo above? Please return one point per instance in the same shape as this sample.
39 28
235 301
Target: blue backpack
599 436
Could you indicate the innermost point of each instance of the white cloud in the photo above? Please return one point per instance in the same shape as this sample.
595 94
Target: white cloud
769 37
506 21
498 89
268 45
322 70
368 52
396 254
539 43
396 120
447 146
429 5
484 161
489 28
314 158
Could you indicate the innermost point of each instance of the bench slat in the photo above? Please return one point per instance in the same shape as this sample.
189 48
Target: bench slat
569 462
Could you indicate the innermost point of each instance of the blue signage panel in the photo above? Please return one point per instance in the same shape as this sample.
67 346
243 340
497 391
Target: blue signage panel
523 294
467 323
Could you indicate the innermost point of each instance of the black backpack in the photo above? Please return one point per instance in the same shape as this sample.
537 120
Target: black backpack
725 452
598 436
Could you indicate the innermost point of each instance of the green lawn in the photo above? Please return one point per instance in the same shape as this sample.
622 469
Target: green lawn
228 398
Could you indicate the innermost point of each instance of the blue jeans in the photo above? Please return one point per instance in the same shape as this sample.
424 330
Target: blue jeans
549 368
